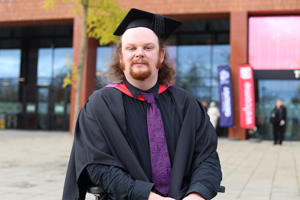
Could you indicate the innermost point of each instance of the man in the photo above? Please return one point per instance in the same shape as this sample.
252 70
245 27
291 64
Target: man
143 138
278 120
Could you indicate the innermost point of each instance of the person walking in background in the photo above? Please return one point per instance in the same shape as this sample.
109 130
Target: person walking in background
278 120
213 113
142 138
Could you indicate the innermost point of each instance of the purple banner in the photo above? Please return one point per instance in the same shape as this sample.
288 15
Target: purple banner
225 97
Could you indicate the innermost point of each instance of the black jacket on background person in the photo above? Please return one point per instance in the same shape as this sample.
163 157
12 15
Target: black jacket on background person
277 115
100 139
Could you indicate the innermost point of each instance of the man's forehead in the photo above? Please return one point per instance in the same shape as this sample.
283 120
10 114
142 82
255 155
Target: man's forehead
139 34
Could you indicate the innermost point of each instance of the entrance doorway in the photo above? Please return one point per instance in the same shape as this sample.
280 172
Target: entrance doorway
34 62
267 92
44 108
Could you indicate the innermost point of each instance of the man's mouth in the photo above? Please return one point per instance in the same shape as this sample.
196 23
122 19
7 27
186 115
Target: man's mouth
139 63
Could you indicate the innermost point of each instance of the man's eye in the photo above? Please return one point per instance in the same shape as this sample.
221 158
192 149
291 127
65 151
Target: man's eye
148 47
131 48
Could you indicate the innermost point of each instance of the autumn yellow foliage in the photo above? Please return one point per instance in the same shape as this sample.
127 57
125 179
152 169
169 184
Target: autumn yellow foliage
102 18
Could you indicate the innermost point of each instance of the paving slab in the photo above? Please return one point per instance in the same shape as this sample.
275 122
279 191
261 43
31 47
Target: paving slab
33 166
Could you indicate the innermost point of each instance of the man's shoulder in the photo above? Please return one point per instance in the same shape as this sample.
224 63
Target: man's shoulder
104 93
184 97
182 93
187 103
101 99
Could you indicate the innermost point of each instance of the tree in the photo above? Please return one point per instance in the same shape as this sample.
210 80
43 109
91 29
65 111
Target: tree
100 18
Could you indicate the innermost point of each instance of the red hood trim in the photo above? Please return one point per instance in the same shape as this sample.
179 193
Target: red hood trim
122 87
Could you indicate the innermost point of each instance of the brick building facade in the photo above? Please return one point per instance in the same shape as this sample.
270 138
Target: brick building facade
30 13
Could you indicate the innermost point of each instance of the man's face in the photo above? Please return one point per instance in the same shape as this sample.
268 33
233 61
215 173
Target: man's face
140 57
278 103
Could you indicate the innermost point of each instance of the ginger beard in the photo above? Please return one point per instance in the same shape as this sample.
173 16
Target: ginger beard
140 74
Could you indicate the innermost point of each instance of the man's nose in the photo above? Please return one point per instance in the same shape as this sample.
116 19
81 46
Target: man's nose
140 52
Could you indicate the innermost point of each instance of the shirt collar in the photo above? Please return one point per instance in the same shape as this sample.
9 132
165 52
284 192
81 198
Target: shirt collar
135 91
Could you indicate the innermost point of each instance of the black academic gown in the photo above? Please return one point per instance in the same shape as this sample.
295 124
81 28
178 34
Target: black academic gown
99 139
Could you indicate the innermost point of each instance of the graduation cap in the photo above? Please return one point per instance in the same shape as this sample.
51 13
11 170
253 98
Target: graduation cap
161 25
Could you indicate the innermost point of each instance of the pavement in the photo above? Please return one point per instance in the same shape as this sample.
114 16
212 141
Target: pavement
33 166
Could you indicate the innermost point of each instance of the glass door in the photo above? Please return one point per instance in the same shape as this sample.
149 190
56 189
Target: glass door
10 106
43 120
54 100
268 92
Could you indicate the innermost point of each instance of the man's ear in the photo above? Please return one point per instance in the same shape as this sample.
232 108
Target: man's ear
122 67
120 57
162 55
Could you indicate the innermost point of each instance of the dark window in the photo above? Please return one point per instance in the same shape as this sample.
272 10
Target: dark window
33 63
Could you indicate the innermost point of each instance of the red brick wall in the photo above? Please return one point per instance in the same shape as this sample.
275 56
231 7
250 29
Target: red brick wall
14 11
174 7
32 10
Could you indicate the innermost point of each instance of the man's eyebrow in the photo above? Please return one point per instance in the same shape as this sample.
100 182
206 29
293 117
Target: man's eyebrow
149 43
